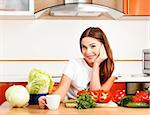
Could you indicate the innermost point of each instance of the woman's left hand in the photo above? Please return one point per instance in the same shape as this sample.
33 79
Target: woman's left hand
102 56
98 61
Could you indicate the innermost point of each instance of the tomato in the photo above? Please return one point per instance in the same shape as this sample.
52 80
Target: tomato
137 99
145 96
104 96
94 95
117 95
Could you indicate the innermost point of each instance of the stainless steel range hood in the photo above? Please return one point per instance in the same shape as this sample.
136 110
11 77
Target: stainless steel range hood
83 8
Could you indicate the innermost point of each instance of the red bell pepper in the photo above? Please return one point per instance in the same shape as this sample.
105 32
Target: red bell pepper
97 95
83 91
117 95
104 96
80 92
94 95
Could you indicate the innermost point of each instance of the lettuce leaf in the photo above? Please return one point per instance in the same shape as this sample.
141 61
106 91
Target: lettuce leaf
39 82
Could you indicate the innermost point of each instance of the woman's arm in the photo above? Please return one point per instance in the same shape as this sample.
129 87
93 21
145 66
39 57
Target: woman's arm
95 80
108 84
62 90
63 87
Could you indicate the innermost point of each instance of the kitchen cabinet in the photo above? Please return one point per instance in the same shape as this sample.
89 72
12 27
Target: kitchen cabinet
137 7
16 8
115 4
41 4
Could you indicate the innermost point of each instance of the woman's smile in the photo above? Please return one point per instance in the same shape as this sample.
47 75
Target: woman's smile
90 57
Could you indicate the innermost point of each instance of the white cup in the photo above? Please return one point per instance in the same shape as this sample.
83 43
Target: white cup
53 101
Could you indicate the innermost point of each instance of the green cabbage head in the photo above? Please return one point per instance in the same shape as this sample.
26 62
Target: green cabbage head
17 96
39 82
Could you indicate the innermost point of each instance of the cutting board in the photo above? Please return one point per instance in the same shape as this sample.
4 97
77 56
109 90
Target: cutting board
109 104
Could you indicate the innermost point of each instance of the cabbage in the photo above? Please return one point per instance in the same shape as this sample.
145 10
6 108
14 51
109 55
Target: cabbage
17 96
39 82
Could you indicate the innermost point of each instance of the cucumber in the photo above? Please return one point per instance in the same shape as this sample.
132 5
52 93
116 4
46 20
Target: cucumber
125 100
148 89
137 105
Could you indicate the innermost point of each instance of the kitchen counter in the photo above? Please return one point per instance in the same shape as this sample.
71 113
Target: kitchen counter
5 109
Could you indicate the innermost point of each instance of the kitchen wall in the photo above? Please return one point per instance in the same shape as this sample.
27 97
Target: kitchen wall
48 44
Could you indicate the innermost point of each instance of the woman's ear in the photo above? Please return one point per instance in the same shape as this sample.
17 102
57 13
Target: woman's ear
103 53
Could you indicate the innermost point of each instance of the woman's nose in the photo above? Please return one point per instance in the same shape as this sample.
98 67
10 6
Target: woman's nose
88 50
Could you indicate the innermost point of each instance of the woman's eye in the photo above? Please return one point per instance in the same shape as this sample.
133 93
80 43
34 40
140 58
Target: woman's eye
83 47
93 46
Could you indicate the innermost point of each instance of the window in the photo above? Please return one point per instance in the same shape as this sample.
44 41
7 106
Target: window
16 7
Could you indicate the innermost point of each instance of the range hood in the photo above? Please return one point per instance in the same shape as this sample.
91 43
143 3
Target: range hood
83 8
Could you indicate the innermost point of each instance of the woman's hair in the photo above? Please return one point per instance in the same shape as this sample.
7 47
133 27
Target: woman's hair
107 66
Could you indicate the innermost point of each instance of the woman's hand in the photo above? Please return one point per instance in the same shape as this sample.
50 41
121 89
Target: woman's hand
98 61
102 56
42 102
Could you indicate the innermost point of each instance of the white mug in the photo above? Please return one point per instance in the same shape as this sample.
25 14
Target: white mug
53 101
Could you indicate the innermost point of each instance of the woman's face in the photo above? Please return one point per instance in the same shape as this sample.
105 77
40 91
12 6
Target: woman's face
90 49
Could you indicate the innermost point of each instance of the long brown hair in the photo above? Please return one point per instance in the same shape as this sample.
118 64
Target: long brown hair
107 66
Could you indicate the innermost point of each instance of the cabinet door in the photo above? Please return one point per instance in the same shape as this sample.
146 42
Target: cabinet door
115 4
137 7
41 4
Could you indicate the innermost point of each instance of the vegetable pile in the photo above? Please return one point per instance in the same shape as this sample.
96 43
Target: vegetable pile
17 96
140 100
88 99
39 82
99 96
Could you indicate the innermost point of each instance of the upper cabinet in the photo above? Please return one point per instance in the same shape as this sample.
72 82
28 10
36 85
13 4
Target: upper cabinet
137 7
16 9
80 9
115 4
41 4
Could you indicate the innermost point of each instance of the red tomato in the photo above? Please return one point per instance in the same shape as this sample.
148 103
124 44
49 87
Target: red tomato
118 94
145 96
94 95
104 96
137 99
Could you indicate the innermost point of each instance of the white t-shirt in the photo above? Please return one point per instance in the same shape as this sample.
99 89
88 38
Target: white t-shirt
80 74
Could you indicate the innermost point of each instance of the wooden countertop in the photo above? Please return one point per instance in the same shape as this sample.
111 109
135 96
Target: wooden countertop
5 109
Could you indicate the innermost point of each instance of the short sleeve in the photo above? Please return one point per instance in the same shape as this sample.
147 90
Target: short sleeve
69 69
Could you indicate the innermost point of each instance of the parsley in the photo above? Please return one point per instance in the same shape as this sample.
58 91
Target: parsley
83 101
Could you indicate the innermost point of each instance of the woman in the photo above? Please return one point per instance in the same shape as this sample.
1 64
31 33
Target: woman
93 71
